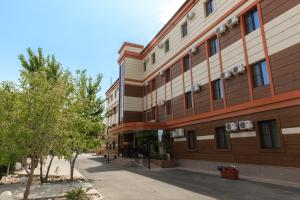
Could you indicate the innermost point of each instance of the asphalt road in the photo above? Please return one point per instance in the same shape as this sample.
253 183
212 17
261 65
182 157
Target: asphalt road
121 183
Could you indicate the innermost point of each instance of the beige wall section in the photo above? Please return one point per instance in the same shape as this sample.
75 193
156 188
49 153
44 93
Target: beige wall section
177 88
233 55
187 81
161 93
115 99
129 48
255 46
133 69
195 26
200 74
133 104
148 101
214 62
145 103
283 31
168 91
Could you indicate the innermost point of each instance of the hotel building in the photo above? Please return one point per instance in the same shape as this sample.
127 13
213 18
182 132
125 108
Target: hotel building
220 82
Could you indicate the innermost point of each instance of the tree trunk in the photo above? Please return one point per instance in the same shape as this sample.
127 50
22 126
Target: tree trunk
8 169
41 170
48 169
34 162
72 165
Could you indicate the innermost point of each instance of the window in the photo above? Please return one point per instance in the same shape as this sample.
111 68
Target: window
153 117
169 107
188 100
145 66
252 21
184 29
153 85
167 75
260 74
114 145
167 45
153 58
222 138
107 145
269 134
186 63
218 89
209 7
115 93
213 46
191 136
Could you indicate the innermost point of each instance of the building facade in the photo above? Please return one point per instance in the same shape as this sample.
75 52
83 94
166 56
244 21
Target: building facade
219 82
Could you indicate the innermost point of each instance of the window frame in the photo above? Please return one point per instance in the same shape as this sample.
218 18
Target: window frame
153 58
145 66
213 46
186 63
167 75
263 144
226 138
251 15
153 113
191 141
260 75
167 46
212 7
220 91
169 110
188 100
184 29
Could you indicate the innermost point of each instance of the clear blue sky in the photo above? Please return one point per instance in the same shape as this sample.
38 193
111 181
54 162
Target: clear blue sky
83 34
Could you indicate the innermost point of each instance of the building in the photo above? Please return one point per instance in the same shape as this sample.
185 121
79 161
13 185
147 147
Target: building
220 82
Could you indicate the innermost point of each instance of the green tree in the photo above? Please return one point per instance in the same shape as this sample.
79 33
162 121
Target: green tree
85 117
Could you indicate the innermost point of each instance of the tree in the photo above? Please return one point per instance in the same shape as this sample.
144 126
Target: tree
86 117
44 94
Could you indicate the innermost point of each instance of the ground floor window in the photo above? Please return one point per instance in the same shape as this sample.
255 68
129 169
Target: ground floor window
222 138
191 136
269 134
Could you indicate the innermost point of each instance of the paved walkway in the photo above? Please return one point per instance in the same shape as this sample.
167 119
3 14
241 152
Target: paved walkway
120 183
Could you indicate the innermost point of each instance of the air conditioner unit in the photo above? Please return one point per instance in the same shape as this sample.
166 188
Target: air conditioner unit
193 50
160 45
221 29
232 21
246 125
178 133
146 84
161 73
239 69
231 127
226 75
161 102
196 88
190 16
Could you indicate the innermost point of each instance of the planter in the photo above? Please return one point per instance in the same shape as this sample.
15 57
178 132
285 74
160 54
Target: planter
164 163
230 173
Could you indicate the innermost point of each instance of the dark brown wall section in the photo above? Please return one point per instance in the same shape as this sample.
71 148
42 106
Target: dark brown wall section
218 104
236 90
178 106
176 70
133 91
273 8
161 114
202 100
261 92
200 56
132 116
231 36
247 150
285 66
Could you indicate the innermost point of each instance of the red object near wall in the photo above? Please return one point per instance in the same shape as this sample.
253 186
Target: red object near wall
230 173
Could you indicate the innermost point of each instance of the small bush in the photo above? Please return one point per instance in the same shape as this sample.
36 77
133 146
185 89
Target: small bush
76 194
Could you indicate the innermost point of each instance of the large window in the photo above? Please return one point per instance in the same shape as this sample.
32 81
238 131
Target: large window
191 136
269 134
209 7
213 46
184 29
188 100
260 74
222 138
186 63
169 107
218 89
167 75
252 21
121 93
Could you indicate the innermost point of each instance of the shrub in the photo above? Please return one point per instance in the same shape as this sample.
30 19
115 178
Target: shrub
76 194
